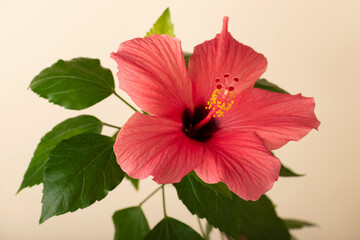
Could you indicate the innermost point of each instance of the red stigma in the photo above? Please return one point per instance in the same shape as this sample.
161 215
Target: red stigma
226 83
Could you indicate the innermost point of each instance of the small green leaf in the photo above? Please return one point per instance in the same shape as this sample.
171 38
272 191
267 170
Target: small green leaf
297 224
64 130
286 172
134 182
187 58
163 25
253 220
172 229
80 171
264 84
130 223
76 84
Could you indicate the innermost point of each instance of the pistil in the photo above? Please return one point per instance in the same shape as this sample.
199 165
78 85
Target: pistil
203 122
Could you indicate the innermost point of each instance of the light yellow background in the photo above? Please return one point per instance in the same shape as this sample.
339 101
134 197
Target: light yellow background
312 47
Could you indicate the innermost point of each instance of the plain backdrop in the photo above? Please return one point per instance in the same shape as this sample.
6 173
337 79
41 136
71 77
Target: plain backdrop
312 47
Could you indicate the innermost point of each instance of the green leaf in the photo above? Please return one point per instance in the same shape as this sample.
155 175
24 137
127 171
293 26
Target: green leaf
163 25
80 171
219 187
286 172
172 229
64 130
297 224
130 223
76 84
134 182
253 220
264 84
115 134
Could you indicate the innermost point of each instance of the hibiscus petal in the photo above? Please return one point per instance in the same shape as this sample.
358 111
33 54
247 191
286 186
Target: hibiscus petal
241 160
152 72
223 55
156 146
276 117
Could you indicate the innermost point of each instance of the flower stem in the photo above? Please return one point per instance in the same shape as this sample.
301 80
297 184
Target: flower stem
163 195
147 198
110 125
125 101
201 228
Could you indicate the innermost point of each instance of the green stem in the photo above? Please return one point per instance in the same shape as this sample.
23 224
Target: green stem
163 195
201 228
221 236
110 125
208 230
147 198
125 102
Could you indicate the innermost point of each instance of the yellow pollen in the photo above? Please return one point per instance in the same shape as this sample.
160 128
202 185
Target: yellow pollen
220 102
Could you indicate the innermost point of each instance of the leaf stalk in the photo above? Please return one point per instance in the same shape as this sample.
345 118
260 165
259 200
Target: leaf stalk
150 195
125 102
163 197
110 125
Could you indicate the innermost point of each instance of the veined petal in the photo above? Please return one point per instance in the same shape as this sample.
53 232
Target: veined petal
152 72
223 55
149 145
241 160
276 117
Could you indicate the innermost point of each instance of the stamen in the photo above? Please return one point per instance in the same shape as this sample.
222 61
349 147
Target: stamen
222 97
221 100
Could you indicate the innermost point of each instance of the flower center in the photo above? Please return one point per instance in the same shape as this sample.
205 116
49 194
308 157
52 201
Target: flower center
191 119
221 100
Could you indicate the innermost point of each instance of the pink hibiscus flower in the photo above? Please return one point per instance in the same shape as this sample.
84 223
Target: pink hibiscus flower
209 119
